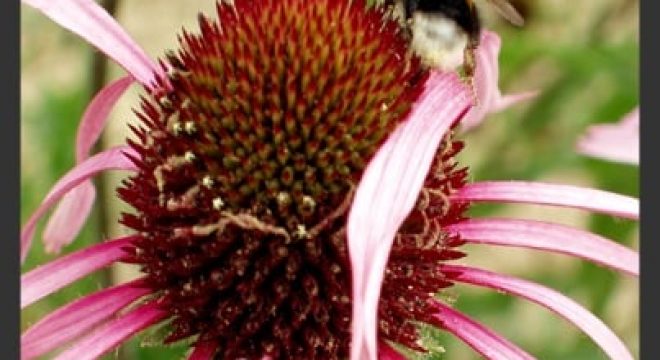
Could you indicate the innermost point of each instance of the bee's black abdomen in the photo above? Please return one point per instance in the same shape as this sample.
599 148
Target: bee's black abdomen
458 10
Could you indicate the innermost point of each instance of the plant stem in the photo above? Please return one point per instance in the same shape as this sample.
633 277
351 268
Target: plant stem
99 75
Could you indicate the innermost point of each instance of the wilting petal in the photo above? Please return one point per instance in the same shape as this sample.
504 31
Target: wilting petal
551 194
96 115
387 193
615 142
74 208
59 273
114 158
69 217
204 351
550 237
486 79
114 333
78 317
90 21
483 340
550 299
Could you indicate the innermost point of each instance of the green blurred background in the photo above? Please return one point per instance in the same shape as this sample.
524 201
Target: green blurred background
584 57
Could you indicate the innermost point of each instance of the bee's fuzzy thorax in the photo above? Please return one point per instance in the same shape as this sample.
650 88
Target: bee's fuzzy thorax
438 40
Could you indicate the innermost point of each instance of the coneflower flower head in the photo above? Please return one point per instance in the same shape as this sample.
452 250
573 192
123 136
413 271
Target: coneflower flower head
247 169
295 194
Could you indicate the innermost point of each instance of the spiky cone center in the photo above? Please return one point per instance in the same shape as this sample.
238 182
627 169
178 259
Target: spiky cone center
247 170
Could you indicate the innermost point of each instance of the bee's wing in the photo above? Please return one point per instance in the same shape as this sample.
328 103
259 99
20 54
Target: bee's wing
508 11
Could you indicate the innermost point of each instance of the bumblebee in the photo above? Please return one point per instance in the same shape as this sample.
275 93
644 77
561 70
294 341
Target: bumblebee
445 33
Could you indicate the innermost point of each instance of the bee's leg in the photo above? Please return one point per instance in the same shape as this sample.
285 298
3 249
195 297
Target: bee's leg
469 67
409 56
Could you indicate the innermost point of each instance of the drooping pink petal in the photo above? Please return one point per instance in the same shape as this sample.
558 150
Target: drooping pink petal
507 101
386 352
615 142
96 115
550 299
71 213
486 79
387 193
203 351
483 340
551 194
114 158
69 217
550 237
90 21
59 273
114 333
78 317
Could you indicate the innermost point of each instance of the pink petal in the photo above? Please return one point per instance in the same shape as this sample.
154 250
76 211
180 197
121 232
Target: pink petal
386 352
74 208
507 101
387 193
204 351
90 21
615 142
483 340
96 115
59 273
107 160
550 299
550 237
69 217
114 333
486 79
76 318
551 194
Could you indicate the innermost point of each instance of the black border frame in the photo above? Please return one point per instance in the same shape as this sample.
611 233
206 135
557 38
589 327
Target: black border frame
10 179
650 206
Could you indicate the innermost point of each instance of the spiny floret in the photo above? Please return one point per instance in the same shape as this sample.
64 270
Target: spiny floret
290 99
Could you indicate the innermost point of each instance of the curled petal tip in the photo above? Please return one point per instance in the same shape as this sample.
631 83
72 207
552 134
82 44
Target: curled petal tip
486 80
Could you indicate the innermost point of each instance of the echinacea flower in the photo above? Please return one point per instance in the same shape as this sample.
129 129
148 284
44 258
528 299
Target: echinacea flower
614 142
296 195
